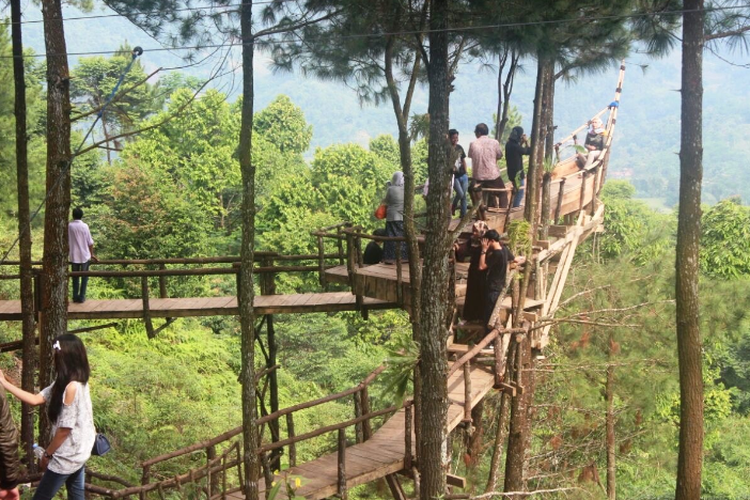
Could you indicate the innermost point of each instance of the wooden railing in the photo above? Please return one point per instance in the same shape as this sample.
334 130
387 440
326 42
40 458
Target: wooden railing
216 468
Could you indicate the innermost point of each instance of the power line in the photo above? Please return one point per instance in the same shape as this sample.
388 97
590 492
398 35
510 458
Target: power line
152 12
459 29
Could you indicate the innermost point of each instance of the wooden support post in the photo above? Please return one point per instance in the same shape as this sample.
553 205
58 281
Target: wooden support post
597 171
358 413
351 267
292 446
467 391
395 486
342 493
560 195
581 203
268 287
399 277
267 473
365 402
146 308
408 457
499 369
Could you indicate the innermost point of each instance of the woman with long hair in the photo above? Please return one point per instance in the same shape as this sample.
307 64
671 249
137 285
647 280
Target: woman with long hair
69 409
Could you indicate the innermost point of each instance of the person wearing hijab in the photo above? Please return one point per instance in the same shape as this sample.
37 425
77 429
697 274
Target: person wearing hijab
516 147
394 219
474 304
594 141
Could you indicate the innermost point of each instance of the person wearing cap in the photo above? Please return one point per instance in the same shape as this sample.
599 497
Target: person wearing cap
594 141
495 258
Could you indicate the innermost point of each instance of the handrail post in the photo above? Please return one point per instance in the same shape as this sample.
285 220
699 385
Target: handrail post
145 479
163 283
292 445
351 267
365 404
146 308
467 391
340 245
584 176
560 195
342 493
358 431
321 263
408 457
211 484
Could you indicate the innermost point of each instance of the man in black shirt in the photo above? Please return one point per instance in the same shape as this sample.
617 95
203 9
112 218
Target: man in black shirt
495 257
374 250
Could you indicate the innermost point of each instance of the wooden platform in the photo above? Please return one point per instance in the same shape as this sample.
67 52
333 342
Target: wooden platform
10 310
384 453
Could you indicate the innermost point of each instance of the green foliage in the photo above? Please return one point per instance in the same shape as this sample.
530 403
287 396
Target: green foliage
284 125
630 227
143 217
386 147
725 240
351 181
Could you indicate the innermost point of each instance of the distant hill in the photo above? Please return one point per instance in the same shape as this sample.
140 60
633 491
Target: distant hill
647 140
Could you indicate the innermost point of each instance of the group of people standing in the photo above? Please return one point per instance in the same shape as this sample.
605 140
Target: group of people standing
69 409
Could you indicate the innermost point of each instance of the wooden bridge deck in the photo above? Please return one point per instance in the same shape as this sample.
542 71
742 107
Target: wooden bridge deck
383 454
10 310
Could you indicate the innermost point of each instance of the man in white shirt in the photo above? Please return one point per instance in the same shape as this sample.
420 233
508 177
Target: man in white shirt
484 153
81 253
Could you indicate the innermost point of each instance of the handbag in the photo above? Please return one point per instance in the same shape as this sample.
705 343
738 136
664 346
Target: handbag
381 211
101 445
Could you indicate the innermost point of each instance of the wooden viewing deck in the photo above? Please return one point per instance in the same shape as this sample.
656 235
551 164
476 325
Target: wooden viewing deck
10 310
381 455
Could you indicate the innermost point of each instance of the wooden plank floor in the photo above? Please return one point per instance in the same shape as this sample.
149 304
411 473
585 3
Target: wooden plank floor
384 453
10 310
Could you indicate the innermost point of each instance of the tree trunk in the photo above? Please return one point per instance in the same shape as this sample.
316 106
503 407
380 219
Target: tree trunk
410 230
499 125
245 292
610 395
24 231
497 451
474 442
688 238
519 433
549 108
55 276
436 278
536 160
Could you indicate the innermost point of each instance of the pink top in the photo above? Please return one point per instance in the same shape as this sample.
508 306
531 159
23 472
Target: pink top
484 153
79 241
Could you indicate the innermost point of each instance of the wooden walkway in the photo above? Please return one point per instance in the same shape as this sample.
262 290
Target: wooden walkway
10 310
381 455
